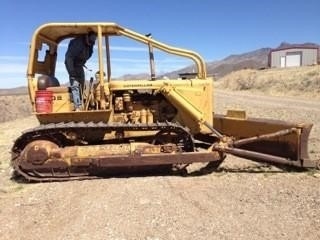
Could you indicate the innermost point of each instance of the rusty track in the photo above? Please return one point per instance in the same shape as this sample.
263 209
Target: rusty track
88 134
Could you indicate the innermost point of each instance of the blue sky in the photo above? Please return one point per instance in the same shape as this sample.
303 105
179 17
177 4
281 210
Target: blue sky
215 29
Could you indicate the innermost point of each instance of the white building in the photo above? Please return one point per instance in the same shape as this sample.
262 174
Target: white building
294 55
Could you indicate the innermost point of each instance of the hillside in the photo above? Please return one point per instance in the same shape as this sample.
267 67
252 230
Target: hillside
301 82
257 59
13 91
14 107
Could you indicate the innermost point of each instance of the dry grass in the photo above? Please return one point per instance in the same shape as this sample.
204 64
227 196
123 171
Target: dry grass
298 81
14 107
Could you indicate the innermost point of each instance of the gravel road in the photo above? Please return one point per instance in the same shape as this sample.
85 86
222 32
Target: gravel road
244 200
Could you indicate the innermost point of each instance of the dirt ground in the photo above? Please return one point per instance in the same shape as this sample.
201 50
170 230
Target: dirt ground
244 200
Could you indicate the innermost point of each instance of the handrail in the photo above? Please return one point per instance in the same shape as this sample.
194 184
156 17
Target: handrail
198 60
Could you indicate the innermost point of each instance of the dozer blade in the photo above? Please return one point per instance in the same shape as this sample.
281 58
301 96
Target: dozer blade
265 140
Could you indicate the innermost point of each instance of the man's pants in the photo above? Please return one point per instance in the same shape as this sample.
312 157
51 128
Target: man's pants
76 96
77 86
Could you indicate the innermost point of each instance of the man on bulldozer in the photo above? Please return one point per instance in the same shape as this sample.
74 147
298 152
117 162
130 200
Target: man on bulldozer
80 49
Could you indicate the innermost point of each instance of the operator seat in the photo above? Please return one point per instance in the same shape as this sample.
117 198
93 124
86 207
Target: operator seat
45 81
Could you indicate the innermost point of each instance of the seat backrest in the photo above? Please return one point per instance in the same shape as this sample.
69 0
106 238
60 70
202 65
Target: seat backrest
45 81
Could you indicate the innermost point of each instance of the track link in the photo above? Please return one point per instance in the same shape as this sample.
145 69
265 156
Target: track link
86 134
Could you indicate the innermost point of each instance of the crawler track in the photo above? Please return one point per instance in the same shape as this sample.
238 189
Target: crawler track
86 134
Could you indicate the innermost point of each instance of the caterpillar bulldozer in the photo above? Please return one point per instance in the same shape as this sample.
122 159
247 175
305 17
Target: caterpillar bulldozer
127 124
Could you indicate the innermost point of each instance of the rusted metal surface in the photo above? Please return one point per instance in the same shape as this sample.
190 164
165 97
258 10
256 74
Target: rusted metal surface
280 133
48 153
261 157
60 152
269 137
152 155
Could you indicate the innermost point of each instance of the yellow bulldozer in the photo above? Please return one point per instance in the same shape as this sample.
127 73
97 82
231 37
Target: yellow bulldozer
126 124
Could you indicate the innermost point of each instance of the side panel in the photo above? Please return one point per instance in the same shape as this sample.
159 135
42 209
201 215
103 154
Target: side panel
84 116
196 98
